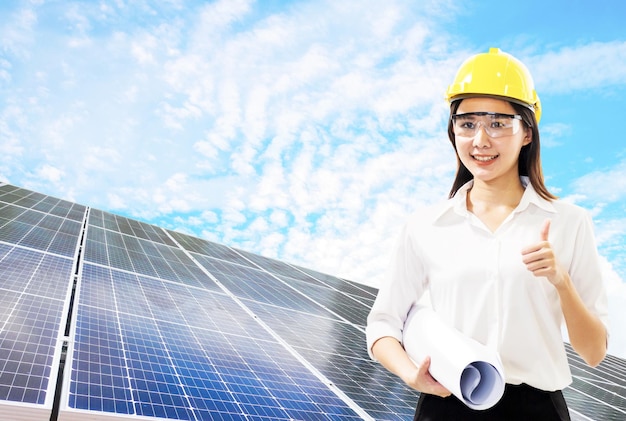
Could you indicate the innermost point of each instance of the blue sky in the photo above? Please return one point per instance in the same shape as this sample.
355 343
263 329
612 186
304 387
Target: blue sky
301 130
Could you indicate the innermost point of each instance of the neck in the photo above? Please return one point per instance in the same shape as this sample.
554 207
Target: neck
507 193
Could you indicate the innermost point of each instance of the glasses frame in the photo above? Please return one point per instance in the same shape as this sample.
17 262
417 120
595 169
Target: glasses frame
453 118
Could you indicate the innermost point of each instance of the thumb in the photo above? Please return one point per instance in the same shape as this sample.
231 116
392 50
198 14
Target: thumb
425 365
545 230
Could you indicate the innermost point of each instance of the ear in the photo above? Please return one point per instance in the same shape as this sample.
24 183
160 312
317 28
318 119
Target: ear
529 136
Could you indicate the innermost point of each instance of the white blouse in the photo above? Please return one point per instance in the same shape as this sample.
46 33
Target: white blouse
479 284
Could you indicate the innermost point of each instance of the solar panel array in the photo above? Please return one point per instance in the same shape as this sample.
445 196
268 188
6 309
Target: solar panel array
103 317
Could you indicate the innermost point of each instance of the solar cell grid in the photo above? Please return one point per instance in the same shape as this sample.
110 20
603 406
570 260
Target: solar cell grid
8 298
131 243
96 252
95 218
28 271
214 312
77 213
339 284
173 255
5 189
28 201
162 269
38 238
70 227
63 244
129 295
191 275
304 398
118 258
61 209
109 222
52 277
96 287
28 340
365 300
30 217
99 379
260 286
16 267
10 197
11 211
149 248
45 205
343 305
136 226
14 232
580 401
116 239
271 265
162 305
161 234
206 248
331 347
193 353
156 389
53 223
141 263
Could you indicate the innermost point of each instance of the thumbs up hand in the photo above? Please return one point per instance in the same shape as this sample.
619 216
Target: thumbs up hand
540 259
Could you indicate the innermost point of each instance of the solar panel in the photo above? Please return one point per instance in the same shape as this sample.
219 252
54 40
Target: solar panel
33 299
164 325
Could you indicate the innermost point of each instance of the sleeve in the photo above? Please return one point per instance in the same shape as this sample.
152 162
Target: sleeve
404 287
586 272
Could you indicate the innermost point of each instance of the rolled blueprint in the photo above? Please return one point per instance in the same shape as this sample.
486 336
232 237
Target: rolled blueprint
468 369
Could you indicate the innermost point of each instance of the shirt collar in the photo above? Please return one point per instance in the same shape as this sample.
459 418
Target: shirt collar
458 203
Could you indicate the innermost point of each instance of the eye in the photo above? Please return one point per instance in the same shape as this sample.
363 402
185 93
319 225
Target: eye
465 123
500 121
498 124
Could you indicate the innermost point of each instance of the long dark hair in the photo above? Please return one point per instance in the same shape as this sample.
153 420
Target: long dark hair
529 163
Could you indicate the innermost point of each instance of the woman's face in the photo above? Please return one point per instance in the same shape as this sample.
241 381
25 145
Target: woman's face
489 145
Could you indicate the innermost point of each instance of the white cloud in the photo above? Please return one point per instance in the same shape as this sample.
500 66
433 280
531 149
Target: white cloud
48 173
606 185
16 36
551 133
582 67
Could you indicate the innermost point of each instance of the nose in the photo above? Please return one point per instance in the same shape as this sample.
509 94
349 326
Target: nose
481 139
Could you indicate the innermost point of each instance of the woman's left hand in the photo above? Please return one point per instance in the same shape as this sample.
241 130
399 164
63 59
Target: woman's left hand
541 261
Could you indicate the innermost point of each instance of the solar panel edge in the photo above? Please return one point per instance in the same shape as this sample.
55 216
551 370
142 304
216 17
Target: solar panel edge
16 411
60 356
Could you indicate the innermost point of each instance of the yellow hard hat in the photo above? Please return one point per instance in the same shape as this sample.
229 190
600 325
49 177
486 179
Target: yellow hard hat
495 74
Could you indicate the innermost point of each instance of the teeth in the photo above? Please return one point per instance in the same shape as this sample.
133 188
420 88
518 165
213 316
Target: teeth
485 158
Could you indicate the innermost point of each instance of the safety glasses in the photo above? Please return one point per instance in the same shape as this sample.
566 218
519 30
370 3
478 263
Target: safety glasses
495 124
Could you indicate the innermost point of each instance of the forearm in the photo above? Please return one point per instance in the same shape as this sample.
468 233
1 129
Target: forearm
586 332
390 353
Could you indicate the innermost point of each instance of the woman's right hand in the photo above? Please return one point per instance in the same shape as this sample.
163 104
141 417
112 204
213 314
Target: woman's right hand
390 353
421 380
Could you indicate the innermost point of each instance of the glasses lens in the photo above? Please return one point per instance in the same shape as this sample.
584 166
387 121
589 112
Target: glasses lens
495 124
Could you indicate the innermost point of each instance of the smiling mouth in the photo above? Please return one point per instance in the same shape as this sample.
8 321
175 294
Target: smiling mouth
483 158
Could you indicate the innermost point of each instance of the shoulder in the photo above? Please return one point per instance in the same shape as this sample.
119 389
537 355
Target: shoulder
570 211
427 215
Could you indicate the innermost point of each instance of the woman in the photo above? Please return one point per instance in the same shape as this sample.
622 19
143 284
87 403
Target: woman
504 262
